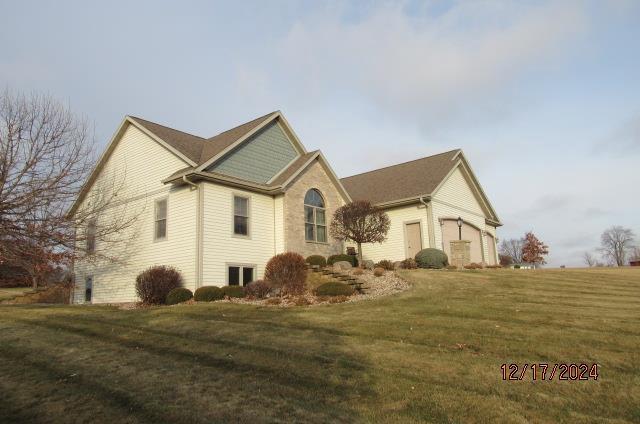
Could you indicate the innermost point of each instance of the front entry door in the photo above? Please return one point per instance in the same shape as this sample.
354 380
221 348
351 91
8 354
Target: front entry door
413 239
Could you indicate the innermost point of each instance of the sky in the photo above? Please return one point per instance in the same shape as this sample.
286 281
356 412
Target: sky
542 96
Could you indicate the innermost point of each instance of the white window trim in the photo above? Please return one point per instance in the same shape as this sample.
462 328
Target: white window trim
241 266
233 215
315 221
166 230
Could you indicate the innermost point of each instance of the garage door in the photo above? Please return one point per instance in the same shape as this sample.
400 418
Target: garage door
450 232
491 250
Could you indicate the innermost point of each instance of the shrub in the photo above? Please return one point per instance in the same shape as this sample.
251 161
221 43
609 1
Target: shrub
233 291
258 289
337 258
154 283
431 258
451 267
178 295
288 272
516 267
334 289
473 265
208 294
273 301
409 264
497 266
358 271
378 272
317 260
385 264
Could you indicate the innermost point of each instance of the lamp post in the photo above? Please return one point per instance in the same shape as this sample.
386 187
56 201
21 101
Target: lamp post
460 228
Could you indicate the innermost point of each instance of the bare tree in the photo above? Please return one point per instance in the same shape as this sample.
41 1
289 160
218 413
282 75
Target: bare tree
46 155
513 249
615 244
360 222
589 259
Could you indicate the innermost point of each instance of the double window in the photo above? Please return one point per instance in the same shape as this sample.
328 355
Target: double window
160 224
240 275
240 215
315 225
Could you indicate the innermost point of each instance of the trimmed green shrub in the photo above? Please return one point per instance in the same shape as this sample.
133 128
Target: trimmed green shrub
334 289
432 258
385 264
154 283
233 291
317 260
353 260
516 267
258 289
208 294
288 272
178 295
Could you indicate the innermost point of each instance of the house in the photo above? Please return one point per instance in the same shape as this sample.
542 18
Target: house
219 208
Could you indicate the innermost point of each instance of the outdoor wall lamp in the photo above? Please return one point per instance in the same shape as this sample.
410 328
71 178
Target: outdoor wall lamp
460 221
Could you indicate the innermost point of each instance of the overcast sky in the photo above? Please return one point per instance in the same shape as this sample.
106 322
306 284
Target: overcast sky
543 97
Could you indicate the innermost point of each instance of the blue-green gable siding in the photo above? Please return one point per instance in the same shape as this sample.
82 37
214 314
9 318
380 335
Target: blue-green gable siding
259 158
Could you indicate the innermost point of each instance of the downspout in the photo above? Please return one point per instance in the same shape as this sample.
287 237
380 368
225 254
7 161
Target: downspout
430 226
199 255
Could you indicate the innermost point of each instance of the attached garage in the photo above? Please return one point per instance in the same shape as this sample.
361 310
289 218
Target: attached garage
469 232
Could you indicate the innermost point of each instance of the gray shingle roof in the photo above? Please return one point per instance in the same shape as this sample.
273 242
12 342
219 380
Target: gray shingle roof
199 149
402 181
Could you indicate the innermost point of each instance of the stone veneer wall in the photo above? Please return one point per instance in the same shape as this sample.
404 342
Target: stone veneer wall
313 177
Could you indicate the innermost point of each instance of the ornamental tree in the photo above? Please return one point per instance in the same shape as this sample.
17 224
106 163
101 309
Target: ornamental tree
360 222
533 250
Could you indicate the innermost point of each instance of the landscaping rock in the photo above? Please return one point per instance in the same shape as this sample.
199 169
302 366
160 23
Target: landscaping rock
368 265
341 266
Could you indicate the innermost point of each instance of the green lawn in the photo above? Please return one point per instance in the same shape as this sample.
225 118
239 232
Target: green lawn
10 293
429 354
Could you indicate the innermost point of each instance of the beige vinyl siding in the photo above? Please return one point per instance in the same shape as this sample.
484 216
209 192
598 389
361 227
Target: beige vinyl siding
221 247
141 163
278 222
394 247
456 199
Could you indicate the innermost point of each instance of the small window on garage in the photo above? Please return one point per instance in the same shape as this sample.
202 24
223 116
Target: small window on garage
240 275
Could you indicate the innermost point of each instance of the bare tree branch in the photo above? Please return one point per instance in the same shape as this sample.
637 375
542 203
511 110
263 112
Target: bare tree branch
46 155
616 243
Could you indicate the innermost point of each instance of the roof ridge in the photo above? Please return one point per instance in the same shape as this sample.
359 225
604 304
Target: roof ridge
164 126
401 163
244 123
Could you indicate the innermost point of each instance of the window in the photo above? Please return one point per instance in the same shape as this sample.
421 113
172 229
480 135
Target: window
88 289
240 275
315 225
240 216
91 237
160 231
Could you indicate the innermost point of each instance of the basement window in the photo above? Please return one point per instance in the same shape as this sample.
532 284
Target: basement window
240 275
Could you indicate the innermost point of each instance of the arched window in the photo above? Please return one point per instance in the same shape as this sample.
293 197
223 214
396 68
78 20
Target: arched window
315 225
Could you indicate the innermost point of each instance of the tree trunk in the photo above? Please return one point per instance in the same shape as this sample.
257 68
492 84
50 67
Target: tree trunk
360 255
